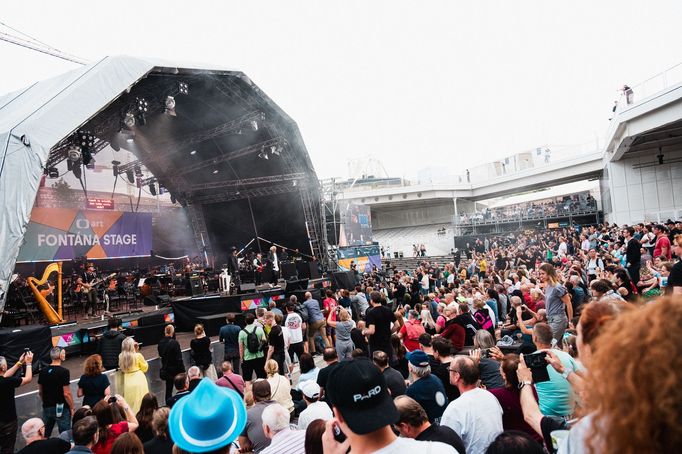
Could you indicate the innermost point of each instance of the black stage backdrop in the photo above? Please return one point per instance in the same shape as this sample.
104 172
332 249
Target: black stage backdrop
38 338
278 218
187 312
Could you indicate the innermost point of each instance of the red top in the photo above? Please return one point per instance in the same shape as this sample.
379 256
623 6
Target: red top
411 331
512 418
114 432
663 242
455 332
330 305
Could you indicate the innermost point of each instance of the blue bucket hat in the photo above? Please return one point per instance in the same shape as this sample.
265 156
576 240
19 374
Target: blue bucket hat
209 418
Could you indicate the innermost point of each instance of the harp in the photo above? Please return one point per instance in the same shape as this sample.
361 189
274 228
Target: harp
51 315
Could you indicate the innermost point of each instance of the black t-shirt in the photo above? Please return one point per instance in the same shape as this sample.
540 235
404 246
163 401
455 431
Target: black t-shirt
53 379
276 338
93 387
323 376
548 424
444 434
675 278
441 371
358 339
7 387
500 263
381 317
158 446
201 351
49 446
395 382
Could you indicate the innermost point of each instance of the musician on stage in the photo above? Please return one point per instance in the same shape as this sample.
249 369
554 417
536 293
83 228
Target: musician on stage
233 266
90 292
273 261
258 269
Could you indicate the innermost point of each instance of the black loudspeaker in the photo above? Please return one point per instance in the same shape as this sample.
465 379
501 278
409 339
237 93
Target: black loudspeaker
289 271
245 287
303 270
197 287
314 270
150 300
262 287
300 284
343 279
164 300
151 320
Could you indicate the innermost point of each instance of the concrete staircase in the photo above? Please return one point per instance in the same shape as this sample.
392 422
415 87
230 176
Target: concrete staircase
410 263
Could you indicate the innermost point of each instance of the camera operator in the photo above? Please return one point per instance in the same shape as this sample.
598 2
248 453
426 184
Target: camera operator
8 383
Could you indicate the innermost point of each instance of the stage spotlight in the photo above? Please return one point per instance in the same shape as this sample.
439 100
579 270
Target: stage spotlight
263 154
87 158
130 175
152 188
138 169
129 120
52 172
170 106
276 150
173 199
74 153
295 183
114 167
215 171
142 109
76 169
254 125
183 88
193 152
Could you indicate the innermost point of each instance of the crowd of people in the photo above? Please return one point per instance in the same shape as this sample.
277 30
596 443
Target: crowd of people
544 341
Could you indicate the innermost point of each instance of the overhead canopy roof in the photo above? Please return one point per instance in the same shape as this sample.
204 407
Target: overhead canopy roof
226 141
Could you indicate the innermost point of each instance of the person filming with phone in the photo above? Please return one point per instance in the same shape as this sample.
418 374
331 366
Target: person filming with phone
9 382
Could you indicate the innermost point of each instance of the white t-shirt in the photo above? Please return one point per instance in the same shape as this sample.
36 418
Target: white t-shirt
293 327
402 445
476 416
316 410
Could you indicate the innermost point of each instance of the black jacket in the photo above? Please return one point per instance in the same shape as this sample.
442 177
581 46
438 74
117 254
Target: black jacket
171 358
110 348
633 251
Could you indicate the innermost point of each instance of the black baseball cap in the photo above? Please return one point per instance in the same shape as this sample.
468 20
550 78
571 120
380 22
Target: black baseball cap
358 390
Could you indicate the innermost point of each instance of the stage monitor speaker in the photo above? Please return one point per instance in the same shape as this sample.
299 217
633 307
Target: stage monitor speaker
245 287
343 279
150 300
164 300
298 285
151 320
289 271
197 287
263 287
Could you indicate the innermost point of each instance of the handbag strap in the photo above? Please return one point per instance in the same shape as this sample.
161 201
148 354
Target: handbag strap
234 386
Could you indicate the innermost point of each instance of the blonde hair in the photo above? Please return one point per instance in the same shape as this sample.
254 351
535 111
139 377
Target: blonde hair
344 315
198 329
271 368
427 319
128 356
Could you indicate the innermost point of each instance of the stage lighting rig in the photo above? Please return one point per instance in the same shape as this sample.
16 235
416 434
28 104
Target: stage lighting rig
254 125
183 88
173 199
53 172
152 188
169 106
142 106
114 167
74 153
129 120
263 154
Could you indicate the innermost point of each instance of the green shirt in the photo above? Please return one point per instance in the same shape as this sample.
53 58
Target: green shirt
242 341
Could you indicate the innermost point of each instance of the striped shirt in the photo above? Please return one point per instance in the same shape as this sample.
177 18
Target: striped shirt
287 441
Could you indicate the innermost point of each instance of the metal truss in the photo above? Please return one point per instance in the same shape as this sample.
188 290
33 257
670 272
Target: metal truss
228 196
248 182
231 155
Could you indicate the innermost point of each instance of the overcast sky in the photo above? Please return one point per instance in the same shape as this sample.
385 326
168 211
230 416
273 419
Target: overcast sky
410 83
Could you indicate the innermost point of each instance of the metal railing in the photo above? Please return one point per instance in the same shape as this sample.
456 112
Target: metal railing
526 213
654 84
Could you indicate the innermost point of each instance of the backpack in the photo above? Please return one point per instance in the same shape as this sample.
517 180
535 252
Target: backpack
302 311
483 319
414 330
253 343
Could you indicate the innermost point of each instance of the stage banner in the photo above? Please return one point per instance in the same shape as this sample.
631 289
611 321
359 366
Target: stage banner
364 257
64 234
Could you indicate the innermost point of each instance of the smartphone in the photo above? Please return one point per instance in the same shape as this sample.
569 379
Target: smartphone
112 400
538 366
338 434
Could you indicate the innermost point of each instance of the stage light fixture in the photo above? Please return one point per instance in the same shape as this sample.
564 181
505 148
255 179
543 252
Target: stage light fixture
276 150
90 164
295 183
263 154
173 199
130 175
193 152
138 169
152 188
129 120
76 169
183 88
114 167
169 105
254 125
215 171
142 109
74 153
53 172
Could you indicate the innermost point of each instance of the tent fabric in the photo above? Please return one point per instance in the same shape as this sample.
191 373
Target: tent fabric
35 119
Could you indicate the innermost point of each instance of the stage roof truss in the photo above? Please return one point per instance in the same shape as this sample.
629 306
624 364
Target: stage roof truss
248 182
